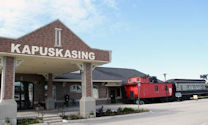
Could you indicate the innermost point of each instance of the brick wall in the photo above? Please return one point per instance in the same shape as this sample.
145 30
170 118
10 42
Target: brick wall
38 82
45 37
88 79
9 77
102 90
62 90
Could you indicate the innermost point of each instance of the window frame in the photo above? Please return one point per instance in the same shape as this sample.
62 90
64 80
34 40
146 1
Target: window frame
166 88
95 87
156 88
58 34
74 88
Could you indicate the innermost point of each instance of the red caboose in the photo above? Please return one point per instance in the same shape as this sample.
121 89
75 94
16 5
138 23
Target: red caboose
145 89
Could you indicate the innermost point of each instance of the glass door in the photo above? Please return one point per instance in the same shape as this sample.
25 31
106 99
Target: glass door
24 95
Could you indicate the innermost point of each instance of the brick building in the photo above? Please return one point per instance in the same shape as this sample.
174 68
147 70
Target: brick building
33 61
107 85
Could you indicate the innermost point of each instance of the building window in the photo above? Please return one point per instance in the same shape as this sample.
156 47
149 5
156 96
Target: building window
58 37
95 93
156 88
54 92
76 88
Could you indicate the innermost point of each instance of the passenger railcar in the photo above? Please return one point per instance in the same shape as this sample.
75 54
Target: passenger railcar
186 88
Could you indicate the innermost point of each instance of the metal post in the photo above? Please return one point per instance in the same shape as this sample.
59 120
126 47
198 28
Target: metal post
139 84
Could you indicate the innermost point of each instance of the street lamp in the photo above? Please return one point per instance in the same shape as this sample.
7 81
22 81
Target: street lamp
139 85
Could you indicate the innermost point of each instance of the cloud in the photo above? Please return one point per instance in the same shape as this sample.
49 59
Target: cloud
111 3
19 17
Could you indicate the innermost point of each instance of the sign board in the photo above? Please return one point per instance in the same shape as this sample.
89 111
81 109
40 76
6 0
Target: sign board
178 94
52 52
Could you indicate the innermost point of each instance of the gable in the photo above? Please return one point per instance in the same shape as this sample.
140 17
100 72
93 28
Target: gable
43 39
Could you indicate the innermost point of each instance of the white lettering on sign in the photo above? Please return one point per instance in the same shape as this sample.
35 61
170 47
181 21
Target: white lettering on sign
44 51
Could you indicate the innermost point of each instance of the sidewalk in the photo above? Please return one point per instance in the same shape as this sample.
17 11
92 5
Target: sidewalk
69 110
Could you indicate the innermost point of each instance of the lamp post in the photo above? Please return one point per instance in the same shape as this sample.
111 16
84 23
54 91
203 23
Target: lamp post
139 85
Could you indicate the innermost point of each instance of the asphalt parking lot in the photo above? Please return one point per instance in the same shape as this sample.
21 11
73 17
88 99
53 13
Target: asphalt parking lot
190 112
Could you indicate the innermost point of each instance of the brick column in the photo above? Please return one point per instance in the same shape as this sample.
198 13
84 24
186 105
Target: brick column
50 85
8 106
87 102
7 78
50 103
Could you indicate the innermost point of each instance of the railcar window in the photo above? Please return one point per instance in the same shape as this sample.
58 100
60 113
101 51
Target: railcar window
166 88
156 88
137 79
181 87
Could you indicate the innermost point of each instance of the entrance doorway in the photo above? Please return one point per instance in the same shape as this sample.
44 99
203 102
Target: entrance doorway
24 95
114 94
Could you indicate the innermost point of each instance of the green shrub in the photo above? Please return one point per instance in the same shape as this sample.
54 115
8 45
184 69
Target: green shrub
119 110
72 117
29 121
108 112
128 110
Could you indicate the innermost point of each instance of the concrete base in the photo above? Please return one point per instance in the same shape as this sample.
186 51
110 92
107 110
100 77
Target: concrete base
8 111
50 103
87 105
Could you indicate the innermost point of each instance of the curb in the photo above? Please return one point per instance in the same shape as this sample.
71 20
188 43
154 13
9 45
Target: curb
105 117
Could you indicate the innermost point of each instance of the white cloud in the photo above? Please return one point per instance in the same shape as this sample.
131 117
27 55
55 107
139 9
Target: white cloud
111 3
18 17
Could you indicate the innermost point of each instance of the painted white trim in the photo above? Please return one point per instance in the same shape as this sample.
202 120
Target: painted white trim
45 75
15 64
91 82
57 31
1 62
101 99
77 80
96 90
93 67
83 82
58 28
3 78
110 56
80 66
18 62
15 54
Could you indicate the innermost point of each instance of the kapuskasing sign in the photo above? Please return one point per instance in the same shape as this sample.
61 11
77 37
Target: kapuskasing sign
52 52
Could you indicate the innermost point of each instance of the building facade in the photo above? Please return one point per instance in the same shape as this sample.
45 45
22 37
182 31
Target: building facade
29 64
31 89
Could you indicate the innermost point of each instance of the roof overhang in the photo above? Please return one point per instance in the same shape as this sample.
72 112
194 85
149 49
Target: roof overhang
31 64
38 53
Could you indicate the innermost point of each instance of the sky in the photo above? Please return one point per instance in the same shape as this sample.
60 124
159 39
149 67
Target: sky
151 36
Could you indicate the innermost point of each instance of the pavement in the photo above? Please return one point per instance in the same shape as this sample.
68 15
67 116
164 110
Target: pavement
192 112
